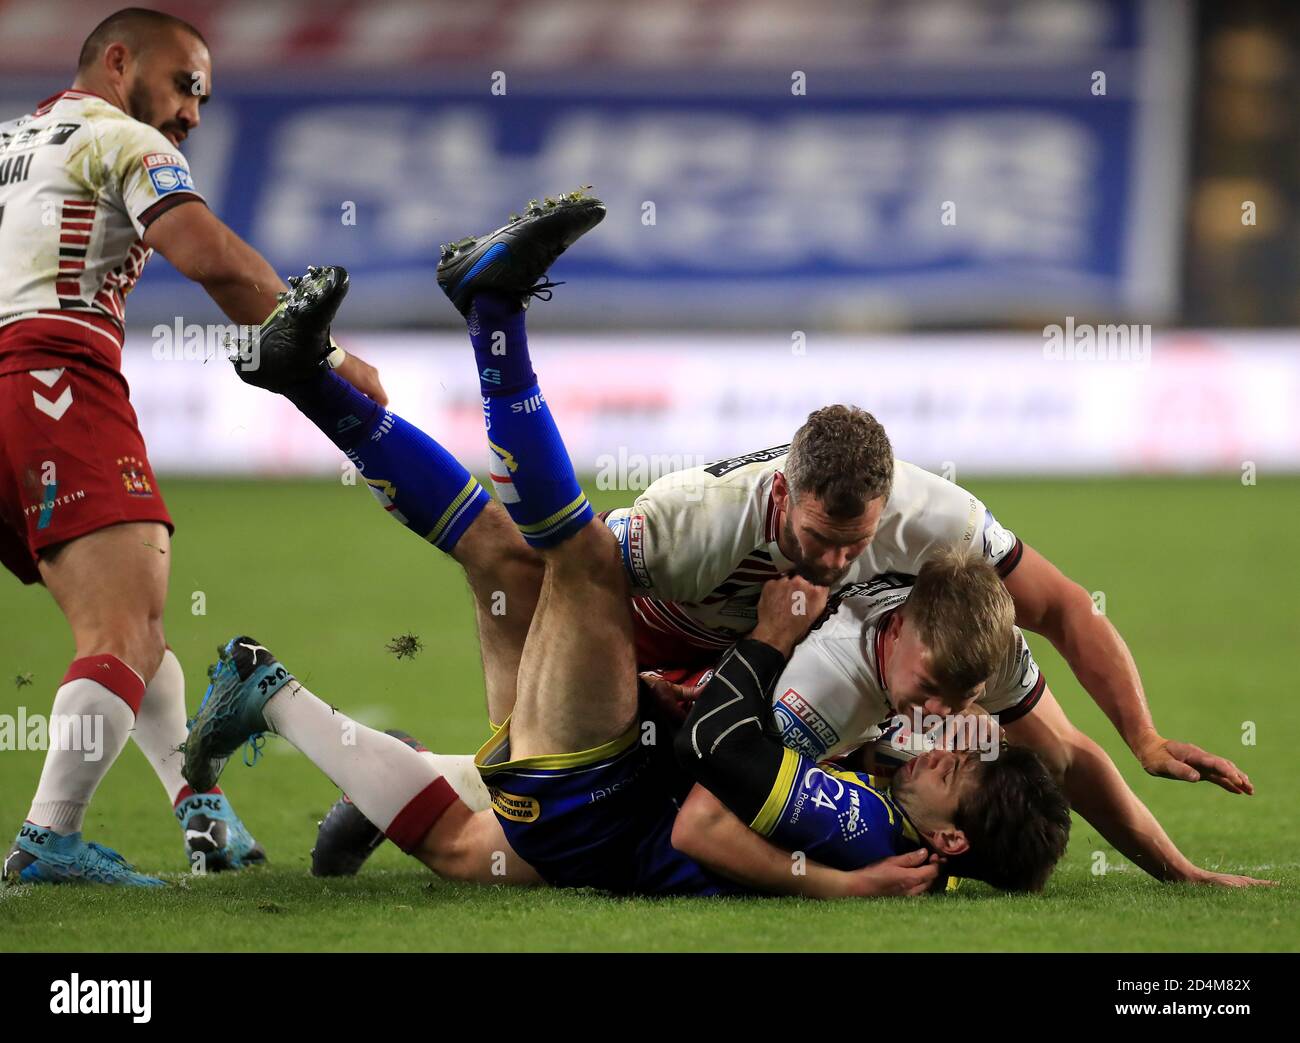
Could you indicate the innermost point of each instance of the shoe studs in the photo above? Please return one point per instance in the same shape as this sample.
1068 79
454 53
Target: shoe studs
450 250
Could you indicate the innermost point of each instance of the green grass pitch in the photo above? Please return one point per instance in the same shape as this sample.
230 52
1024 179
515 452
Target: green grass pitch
1200 575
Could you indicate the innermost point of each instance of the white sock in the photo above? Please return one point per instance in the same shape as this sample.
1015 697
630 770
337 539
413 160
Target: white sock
397 788
160 724
88 727
461 772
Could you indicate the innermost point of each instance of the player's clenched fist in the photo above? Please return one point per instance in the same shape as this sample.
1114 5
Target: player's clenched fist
787 610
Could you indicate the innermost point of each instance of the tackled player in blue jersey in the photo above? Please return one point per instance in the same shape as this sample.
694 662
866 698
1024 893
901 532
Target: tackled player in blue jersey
583 788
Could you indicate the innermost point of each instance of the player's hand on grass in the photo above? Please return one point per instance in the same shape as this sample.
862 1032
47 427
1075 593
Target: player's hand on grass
362 376
787 610
901 876
1204 876
1169 759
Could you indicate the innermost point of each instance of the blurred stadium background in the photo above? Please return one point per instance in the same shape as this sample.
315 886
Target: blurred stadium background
886 202
870 200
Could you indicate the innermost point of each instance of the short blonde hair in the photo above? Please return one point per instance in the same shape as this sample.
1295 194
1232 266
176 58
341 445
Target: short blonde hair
964 617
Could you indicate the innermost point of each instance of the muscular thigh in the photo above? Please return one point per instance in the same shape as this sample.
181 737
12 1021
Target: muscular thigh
505 577
111 585
577 676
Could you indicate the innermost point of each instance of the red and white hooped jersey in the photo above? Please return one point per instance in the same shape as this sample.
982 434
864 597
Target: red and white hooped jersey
80 181
699 544
833 696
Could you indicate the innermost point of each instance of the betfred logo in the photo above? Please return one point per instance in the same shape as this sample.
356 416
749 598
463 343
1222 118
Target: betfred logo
802 727
167 173
636 550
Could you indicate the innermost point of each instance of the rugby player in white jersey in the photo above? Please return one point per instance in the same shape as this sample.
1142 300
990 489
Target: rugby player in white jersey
91 183
872 682
699 545
584 788
838 508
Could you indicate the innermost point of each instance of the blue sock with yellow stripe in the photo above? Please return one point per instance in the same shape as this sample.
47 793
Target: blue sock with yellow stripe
414 478
530 468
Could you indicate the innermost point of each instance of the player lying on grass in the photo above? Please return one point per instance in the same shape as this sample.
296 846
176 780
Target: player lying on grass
579 794
847 686
879 671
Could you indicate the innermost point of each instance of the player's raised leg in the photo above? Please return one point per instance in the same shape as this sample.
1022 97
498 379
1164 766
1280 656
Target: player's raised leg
580 636
414 478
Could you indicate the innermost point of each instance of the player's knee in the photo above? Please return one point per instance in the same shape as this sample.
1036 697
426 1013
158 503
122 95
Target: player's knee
140 644
450 848
515 571
489 537
594 552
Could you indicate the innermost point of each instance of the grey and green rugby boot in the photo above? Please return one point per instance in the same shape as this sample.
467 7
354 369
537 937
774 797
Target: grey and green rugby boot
515 258
215 838
345 838
243 678
294 340
42 856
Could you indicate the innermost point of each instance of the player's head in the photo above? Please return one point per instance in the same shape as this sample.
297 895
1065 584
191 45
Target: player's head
154 65
832 491
1004 821
953 631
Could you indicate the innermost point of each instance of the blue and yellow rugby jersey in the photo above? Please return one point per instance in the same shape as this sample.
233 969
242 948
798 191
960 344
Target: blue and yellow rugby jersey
842 819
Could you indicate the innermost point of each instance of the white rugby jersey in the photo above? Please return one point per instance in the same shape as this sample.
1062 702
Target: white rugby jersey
832 696
699 544
80 181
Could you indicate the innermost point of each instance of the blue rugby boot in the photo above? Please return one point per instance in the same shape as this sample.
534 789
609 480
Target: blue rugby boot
514 259
215 838
242 679
41 856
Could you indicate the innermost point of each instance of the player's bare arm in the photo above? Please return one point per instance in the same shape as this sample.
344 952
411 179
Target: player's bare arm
1051 604
713 836
166 90
1098 792
708 832
240 280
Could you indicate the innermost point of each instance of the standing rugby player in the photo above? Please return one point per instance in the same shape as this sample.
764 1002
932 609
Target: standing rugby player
91 183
